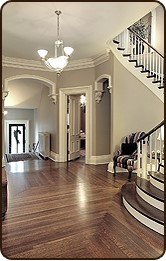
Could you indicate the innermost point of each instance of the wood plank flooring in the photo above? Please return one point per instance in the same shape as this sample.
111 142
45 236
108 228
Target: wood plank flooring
71 211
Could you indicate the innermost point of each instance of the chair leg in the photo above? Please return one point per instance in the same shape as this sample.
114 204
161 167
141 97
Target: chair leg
114 167
129 176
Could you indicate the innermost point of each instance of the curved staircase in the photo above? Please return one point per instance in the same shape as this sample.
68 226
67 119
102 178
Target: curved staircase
147 64
144 199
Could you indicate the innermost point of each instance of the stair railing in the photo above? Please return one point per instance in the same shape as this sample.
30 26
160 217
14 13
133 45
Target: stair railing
151 151
149 59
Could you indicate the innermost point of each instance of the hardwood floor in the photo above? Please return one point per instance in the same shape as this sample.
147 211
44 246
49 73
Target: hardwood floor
71 211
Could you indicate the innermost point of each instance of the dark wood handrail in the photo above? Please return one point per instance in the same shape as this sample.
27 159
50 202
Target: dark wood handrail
151 131
145 42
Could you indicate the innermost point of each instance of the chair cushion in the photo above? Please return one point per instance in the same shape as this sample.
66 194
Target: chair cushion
128 148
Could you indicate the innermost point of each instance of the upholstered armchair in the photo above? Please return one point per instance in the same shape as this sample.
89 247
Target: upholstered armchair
126 157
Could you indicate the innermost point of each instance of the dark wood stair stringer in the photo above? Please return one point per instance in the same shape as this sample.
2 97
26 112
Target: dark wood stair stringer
129 193
149 189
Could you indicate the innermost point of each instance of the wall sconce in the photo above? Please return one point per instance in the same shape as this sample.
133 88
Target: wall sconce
4 94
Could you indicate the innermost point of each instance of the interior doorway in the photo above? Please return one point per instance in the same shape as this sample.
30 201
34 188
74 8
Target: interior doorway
16 136
63 93
76 127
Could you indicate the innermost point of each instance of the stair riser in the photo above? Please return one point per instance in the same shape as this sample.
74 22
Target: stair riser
157 183
152 201
159 228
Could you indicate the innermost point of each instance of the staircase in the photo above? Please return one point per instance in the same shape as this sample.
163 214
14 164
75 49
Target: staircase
145 202
144 198
141 59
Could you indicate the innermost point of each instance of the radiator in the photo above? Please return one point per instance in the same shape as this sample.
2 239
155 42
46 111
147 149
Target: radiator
44 144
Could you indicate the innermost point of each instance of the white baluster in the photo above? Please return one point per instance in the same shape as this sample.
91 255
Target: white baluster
144 60
155 149
144 159
156 67
147 58
127 39
150 62
139 159
139 50
162 68
150 151
153 55
159 67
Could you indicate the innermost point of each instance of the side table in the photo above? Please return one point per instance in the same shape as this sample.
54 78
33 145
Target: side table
4 193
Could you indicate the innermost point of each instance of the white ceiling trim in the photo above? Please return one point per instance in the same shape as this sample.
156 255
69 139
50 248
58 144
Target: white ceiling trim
38 65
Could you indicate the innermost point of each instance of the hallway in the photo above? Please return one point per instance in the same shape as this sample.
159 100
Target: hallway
74 210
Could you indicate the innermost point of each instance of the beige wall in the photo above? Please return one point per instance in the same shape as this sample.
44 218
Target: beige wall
103 132
160 29
10 71
75 78
102 114
46 119
135 107
23 114
104 68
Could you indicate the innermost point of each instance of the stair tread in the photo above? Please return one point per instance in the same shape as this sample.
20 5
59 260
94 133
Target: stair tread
157 81
130 195
151 76
121 48
145 71
139 66
126 54
151 190
132 60
157 175
116 42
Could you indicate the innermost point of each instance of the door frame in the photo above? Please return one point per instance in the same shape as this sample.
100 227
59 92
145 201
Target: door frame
63 93
23 136
6 133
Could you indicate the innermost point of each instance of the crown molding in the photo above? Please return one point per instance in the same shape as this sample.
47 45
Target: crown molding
101 58
38 65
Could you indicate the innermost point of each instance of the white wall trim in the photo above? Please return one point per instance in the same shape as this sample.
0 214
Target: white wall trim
143 219
101 159
156 183
38 65
47 82
149 199
63 92
6 133
118 169
54 156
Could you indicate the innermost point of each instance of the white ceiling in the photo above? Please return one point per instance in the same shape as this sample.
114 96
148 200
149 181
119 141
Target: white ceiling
86 26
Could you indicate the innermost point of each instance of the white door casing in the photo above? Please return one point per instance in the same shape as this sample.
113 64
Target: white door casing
63 93
6 133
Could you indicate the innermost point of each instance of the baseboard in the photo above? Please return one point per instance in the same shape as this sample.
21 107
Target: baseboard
54 156
118 169
101 159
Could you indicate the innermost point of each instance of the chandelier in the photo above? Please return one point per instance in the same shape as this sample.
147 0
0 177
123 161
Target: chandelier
83 100
62 54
